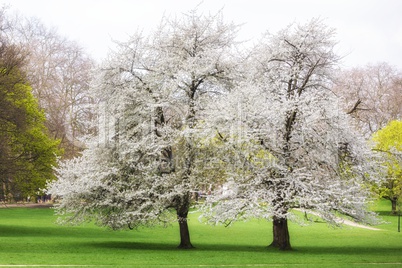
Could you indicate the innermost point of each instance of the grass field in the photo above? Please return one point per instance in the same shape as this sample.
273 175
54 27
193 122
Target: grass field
29 237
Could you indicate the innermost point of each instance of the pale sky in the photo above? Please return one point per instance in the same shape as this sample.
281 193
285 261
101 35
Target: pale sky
368 31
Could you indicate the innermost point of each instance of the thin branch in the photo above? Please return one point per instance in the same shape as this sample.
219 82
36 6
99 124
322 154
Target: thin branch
355 107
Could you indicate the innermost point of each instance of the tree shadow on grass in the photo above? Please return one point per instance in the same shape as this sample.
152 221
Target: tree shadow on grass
386 213
38 231
350 250
124 245
311 250
84 233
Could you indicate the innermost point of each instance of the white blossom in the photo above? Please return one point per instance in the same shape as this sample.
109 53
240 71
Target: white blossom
301 149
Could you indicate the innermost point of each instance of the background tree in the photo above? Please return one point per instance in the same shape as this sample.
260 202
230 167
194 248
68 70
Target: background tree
27 154
295 148
59 72
155 89
371 94
389 141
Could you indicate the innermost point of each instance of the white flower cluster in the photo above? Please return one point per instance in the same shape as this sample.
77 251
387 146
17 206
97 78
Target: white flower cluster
184 111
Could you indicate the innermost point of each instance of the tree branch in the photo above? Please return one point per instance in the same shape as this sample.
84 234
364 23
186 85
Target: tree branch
355 107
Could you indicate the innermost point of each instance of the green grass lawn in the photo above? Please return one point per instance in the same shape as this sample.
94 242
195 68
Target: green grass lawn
29 236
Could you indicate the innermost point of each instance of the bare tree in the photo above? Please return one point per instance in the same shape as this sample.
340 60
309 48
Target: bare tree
372 95
27 154
59 71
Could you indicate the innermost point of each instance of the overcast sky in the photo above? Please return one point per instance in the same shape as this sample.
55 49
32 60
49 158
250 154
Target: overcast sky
368 31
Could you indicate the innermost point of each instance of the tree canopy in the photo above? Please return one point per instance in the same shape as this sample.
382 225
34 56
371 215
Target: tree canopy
27 154
154 90
183 102
304 153
371 95
388 140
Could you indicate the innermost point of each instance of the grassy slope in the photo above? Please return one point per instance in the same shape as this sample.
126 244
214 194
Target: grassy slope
30 236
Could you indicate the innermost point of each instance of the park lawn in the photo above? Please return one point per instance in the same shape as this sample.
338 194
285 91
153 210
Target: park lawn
29 236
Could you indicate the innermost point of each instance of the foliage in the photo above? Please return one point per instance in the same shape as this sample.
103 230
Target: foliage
388 140
59 72
27 154
180 110
314 160
154 92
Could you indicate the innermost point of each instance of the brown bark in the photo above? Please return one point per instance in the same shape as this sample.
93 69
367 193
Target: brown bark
281 238
185 242
182 213
394 202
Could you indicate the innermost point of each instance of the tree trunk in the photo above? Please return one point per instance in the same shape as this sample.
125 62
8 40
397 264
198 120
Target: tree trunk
184 233
182 213
394 202
281 239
